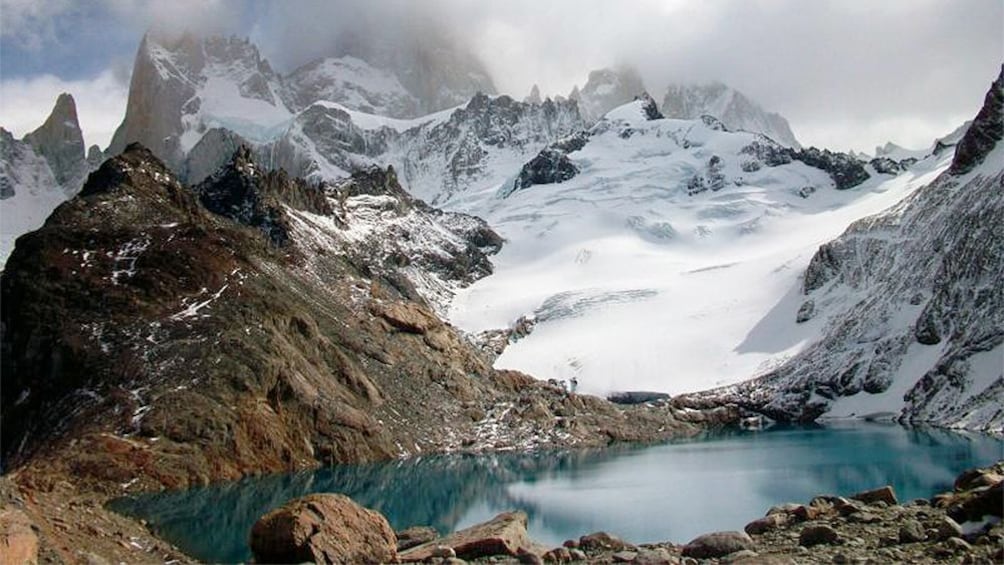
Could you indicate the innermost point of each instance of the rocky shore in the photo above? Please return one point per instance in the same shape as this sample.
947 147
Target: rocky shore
871 527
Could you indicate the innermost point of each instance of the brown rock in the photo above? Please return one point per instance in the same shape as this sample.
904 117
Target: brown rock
948 528
804 513
911 532
323 528
504 534
18 541
656 556
624 556
717 544
414 536
558 555
884 494
766 524
601 541
816 534
528 557
577 554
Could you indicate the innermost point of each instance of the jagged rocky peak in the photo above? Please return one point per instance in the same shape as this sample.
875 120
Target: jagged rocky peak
60 140
650 107
534 96
984 133
733 108
606 89
181 87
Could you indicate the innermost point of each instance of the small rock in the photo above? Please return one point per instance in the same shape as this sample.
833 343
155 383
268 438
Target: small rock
502 535
601 540
624 556
657 556
804 513
577 554
958 544
911 531
571 543
558 555
816 534
718 544
442 552
920 502
884 494
741 556
406 539
947 528
785 508
527 557
863 518
765 524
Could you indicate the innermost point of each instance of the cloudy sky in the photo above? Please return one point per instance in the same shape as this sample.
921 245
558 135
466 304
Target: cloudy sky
846 73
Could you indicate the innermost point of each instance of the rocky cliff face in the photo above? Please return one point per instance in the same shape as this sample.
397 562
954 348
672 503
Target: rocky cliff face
733 108
41 171
157 332
61 142
183 86
914 299
354 84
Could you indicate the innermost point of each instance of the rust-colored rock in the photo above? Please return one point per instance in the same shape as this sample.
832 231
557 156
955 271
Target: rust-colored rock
323 528
884 494
18 541
504 534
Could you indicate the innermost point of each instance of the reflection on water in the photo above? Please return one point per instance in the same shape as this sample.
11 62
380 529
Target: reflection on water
665 492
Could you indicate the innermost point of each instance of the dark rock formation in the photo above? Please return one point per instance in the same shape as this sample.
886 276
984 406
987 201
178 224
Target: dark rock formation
60 141
504 534
984 133
846 171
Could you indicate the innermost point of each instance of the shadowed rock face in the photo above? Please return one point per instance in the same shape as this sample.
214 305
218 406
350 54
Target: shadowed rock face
157 332
987 129
60 140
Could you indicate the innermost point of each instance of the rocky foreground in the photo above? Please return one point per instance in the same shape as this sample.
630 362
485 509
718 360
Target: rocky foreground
962 526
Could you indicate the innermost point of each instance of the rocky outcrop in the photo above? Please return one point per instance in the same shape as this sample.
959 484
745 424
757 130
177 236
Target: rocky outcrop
60 141
733 108
323 528
504 534
984 133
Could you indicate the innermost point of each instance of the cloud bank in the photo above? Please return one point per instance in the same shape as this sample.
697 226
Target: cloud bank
846 73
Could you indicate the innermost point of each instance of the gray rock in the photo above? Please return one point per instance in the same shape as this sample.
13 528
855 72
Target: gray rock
624 556
816 534
948 528
601 541
911 531
717 544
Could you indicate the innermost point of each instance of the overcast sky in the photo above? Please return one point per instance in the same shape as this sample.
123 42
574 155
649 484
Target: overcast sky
846 73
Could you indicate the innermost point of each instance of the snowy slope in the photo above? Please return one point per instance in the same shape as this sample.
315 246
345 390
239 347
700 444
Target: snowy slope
639 280
353 83
912 304
28 191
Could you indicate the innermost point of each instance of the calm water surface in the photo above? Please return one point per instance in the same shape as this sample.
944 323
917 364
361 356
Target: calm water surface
665 492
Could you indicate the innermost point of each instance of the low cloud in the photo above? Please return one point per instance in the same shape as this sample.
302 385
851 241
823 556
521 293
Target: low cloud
101 101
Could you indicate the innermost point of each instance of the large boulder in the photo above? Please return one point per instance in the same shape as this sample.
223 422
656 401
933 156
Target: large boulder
504 534
718 544
323 528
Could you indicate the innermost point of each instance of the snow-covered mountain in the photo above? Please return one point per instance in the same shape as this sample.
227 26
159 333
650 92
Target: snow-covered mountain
192 102
733 108
911 302
41 171
606 89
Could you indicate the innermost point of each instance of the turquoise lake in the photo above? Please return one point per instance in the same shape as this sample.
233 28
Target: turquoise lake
671 491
